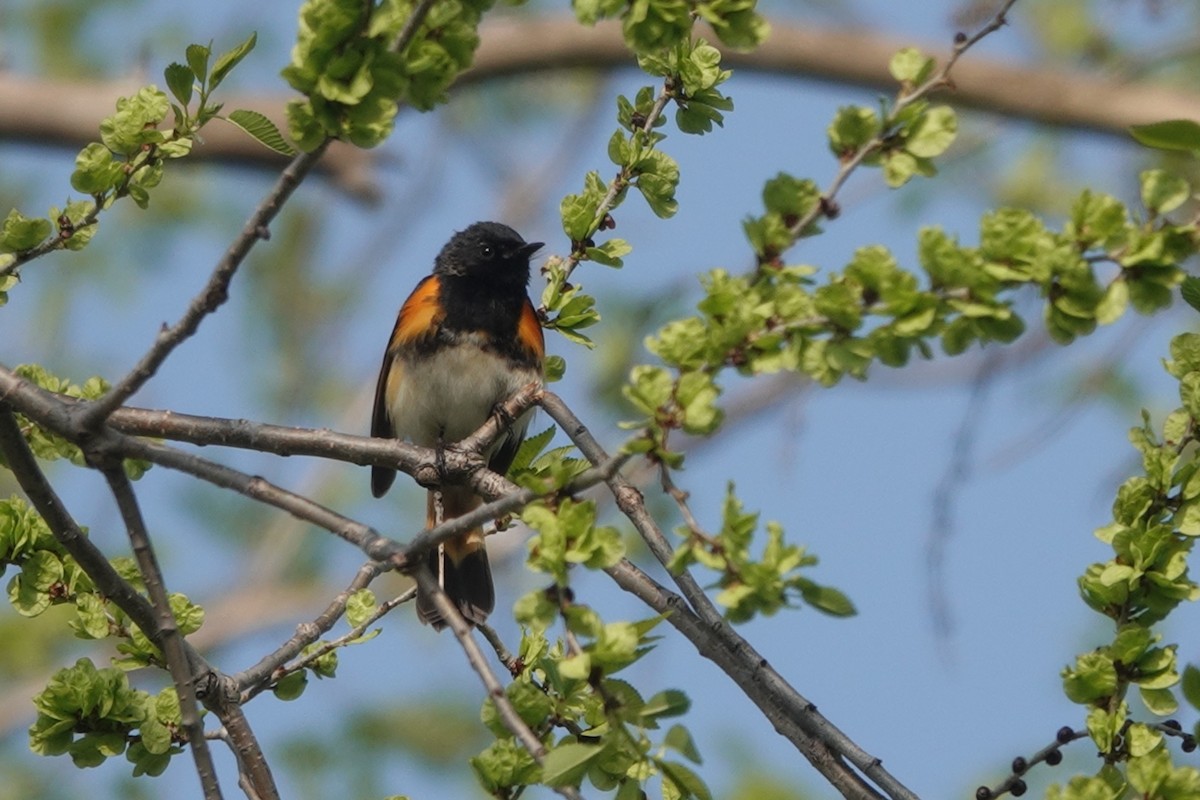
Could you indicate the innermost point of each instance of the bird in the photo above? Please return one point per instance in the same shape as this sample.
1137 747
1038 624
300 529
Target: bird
465 340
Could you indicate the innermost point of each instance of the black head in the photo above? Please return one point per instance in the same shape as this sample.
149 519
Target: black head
488 252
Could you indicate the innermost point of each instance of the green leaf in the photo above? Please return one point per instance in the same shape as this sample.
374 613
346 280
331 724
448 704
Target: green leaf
20 233
229 60
197 59
566 764
181 81
1189 289
1191 685
360 607
910 66
678 738
1174 134
290 687
262 129
934 132
1159 701
554 368
667 703
685 782
91 617
1163 192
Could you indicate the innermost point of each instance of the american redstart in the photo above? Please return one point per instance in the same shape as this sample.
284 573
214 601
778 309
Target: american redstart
465 340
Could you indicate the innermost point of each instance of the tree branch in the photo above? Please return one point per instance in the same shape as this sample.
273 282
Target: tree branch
462 631
211 298
168 629
66 113
794 717
41 494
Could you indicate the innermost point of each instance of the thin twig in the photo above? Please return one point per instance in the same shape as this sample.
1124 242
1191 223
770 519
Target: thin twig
250 679
168 630
851 161
211 298
629 501
504 708
817 738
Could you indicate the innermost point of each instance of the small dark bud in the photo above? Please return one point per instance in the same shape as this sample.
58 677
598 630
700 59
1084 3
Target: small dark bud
983 793
1173 724
638 120
830 208
1019 765
1188 745
1054 758
1065 734
608 223
589 242
1018 788
960 38
791 220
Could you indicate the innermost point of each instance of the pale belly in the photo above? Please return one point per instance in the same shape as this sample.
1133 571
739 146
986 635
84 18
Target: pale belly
448 396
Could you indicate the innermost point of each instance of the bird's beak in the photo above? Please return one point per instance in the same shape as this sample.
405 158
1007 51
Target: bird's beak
529 248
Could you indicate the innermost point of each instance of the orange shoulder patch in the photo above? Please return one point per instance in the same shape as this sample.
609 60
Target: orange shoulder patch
419 315
529 331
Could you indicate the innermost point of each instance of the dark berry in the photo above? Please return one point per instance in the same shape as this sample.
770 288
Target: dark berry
1018 788
1019 765
983 793
1173 724
1188 745
1065 734
1054 758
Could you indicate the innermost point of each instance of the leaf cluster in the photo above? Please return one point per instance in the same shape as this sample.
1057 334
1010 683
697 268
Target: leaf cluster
93 714
1156 519
129 160
594 727
49 446
752 585
346 64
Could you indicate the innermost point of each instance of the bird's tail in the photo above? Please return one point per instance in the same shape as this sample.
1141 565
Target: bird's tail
460 564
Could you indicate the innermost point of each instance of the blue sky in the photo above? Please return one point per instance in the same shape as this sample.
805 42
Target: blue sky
849 471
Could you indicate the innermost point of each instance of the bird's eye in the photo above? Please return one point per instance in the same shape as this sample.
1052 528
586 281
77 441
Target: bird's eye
487 251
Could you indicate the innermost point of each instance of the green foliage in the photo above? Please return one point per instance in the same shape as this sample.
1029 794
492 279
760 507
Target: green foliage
652 27
93 714
1156 520
777 318
47 575
548 471
50 447
595 727
751 586
568 534
346 64
1171 134
129 160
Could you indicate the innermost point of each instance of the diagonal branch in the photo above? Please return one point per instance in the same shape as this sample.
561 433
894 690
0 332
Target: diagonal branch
41 494
168 629
210 299
462 631
794 717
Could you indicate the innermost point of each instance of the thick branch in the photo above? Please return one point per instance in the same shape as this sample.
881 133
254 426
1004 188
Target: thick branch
66 114
41 494
794 717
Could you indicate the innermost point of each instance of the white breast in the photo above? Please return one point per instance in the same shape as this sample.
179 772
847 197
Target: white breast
448 395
